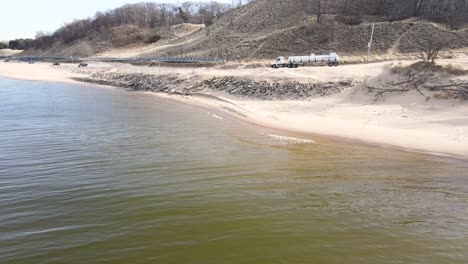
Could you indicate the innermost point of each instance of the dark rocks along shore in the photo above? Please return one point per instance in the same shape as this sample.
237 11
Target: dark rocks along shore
236 86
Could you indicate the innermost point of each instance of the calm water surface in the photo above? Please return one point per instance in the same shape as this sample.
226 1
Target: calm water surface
92 175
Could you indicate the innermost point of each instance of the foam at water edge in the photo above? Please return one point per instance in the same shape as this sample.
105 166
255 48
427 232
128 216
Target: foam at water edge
215 116
293 140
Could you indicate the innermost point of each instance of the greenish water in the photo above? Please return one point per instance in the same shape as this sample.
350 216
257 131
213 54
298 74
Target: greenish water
93 175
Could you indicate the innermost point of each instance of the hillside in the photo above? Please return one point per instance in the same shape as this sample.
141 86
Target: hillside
266 29
262 29
129 39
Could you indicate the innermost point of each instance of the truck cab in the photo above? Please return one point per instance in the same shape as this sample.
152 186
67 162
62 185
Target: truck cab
282 62
279 62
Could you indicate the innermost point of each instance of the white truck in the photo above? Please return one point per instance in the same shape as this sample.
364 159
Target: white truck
294 61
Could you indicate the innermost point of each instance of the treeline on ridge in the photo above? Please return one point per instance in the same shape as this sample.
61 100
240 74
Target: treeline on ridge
141 15
17 44
454 13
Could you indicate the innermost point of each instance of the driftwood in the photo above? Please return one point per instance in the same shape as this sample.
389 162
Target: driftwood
382 91
410 80
461 89
441 87
411 83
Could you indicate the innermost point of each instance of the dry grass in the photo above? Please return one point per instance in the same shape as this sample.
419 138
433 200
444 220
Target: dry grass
358 59
426 67
445 95
246 38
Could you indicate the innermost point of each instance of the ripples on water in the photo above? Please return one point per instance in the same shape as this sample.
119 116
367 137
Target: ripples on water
93 175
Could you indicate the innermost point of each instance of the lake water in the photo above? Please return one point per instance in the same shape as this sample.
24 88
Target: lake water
91 175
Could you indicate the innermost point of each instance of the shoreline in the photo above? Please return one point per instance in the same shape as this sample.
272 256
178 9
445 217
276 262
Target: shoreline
329 117
210 106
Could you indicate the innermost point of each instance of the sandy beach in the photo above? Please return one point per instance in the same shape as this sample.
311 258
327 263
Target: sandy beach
406 121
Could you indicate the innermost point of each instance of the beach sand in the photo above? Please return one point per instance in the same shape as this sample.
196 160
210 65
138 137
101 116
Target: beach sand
406 121
36 72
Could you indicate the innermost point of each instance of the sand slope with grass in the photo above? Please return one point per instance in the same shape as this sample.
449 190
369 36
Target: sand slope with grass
9 52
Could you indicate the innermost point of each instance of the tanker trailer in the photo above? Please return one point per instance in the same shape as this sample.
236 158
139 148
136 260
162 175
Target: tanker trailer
294 61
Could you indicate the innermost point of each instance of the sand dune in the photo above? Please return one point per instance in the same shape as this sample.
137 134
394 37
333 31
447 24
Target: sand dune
9 52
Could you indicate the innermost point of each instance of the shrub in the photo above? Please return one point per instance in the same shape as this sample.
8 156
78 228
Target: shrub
350 20
420 66
153 38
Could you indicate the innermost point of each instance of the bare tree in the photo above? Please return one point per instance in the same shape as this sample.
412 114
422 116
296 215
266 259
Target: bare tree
430 44
351 11
316 7
319 10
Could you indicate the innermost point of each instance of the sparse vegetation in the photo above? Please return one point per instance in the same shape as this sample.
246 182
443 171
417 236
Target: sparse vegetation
451 12
429 44
153 38
265 29
262 29
425 78
422 67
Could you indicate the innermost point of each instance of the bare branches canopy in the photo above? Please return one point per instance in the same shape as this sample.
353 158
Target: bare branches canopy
142 15
451 12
